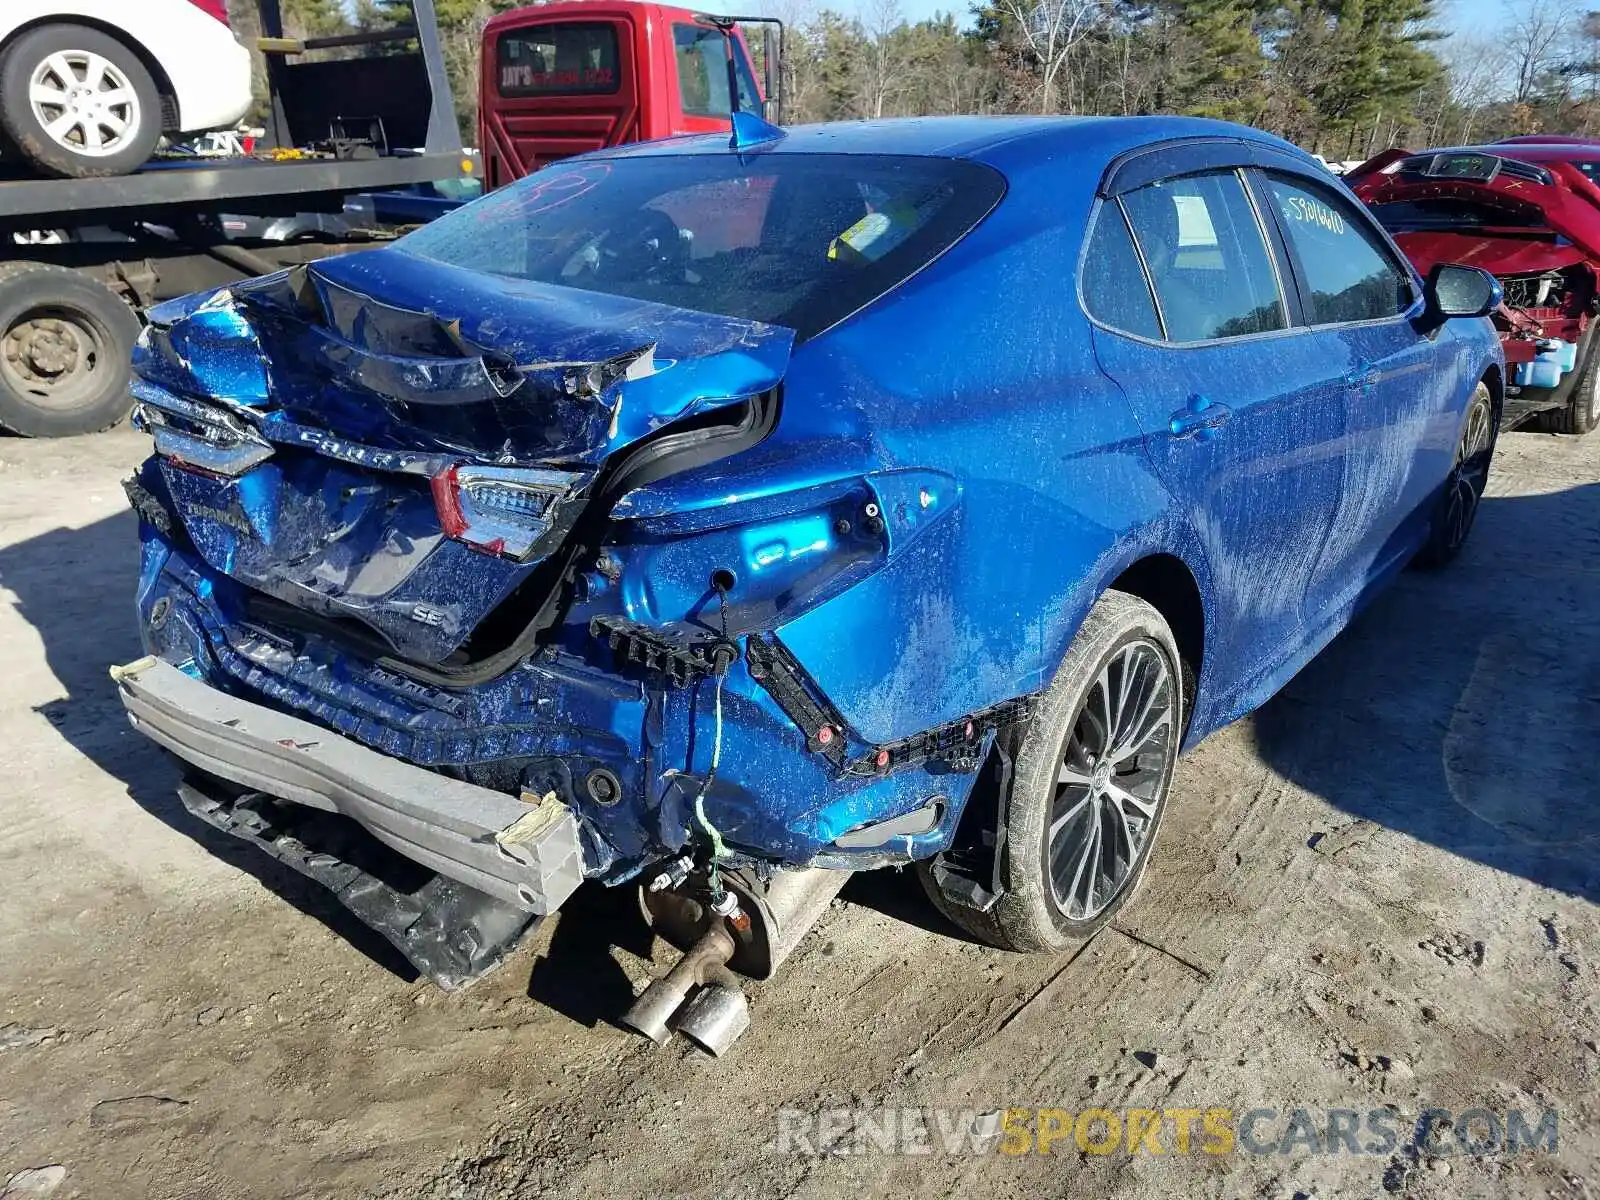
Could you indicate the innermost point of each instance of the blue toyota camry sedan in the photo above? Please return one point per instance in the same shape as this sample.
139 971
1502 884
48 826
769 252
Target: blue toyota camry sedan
725 516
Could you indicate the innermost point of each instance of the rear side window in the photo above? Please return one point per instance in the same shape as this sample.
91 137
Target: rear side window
576 59
1114 288
1208 261
1347 273
800 240
702 55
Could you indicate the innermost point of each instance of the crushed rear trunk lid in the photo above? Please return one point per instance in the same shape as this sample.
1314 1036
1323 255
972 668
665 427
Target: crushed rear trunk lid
388 439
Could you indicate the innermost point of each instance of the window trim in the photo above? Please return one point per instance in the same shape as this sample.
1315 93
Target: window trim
1098 214
1352 210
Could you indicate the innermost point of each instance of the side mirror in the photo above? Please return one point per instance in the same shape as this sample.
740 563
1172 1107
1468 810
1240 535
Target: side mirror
1456 291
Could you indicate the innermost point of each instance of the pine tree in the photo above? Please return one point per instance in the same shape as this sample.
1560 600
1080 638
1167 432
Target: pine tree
1220 64
452 14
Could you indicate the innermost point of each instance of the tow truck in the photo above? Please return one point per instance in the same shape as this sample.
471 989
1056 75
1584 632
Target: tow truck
560 78
80 260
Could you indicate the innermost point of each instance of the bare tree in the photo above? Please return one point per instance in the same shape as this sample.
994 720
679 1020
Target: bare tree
1479 72
1537 38
883 21
1050 31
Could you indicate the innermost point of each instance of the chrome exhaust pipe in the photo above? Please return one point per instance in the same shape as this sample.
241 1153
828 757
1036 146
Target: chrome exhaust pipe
715 1017
652 1013
701 996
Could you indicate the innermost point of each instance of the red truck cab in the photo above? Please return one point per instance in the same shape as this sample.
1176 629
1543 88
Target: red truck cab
574 75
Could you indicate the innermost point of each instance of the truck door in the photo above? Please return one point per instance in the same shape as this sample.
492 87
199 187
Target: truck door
552 89
700 59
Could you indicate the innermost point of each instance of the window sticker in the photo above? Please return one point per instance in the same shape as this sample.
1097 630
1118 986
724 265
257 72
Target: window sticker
1194 221
875 234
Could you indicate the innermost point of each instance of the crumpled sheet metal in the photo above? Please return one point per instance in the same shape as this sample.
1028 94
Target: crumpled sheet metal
494 368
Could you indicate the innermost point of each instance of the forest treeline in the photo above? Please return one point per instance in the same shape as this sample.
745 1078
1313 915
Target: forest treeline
1346 78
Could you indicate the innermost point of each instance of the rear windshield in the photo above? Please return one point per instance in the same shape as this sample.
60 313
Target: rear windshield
800 240
1411 216
577 59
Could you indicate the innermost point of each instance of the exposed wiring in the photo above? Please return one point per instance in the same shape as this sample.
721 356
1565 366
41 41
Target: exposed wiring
719 848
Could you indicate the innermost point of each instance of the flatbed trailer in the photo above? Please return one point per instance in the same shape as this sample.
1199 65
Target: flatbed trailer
81 259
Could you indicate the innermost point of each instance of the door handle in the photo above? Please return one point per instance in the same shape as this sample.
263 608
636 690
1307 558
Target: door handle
1201 417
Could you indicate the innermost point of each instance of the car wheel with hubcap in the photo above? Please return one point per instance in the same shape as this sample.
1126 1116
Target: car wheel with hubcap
76 102
1456 506
1089 787
65 345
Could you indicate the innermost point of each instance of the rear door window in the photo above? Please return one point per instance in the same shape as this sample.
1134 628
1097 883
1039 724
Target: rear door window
1346 272
1209 264
702 55
573 59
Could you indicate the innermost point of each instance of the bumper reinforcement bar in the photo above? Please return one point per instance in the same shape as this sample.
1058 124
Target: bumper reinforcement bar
527 855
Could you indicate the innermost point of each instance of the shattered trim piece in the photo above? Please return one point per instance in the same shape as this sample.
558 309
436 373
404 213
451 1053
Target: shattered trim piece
148 506
451 933
682 655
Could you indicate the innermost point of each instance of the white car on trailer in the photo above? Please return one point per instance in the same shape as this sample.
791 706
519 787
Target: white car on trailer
87 87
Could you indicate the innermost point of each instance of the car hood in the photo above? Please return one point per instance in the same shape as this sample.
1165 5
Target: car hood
1502 254
312 427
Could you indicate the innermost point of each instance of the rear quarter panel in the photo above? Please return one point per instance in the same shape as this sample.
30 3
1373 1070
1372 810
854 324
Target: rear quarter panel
981 370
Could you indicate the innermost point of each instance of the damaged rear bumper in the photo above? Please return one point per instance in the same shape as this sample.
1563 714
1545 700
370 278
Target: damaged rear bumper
526 855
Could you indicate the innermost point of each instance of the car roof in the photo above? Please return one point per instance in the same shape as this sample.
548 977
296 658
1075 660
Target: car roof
995 140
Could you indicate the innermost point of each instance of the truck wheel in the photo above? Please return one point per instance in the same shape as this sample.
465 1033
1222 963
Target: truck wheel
77 102
65 344
1089 786
1456 505
1582 410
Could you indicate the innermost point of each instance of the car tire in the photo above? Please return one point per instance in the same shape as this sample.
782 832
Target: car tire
1581 413
121 106
1061 786
65 346
1455 507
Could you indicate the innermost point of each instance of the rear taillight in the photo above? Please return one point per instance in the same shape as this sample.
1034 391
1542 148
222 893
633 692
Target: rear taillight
500 510
214 8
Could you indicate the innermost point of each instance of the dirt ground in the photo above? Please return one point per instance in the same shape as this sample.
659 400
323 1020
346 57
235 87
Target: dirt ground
1379 890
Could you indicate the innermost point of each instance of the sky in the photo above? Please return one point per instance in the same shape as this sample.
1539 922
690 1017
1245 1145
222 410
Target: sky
1478 15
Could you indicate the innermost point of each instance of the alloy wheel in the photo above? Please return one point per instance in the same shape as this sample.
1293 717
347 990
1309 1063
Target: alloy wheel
1112 779
1470 474
84 102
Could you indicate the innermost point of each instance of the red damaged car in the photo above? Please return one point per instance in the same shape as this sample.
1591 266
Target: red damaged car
1529 213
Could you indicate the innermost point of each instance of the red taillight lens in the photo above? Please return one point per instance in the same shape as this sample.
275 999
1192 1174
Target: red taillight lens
214 8
500 510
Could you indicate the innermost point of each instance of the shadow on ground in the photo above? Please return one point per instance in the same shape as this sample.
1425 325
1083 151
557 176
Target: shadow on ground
1462 708
76 587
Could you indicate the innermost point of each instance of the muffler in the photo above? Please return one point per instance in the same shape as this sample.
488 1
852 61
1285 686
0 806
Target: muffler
701 996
